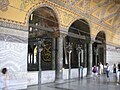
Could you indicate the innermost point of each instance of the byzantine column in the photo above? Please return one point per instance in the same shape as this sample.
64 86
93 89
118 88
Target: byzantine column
89 69
59 59
53 53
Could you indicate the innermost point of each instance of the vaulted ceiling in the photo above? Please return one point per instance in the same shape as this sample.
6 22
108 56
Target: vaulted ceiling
105 11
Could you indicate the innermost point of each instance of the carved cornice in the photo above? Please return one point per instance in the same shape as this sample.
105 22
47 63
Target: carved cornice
12 38
13 26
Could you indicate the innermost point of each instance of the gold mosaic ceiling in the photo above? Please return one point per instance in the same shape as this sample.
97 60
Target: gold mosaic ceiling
105 11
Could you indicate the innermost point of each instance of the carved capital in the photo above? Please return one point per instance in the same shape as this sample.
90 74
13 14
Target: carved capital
59 33
56 34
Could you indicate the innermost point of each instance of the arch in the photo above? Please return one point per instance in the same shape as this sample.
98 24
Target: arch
99 49
79 35
42 23
39 5
82 26
101 36
80 18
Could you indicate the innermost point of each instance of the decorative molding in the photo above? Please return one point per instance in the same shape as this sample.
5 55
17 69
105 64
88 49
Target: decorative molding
26 3
11 38
13 26
4 5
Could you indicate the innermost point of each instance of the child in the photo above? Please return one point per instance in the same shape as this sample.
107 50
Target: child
3 79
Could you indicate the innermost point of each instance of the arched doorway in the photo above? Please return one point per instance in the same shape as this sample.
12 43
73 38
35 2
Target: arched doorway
41 44
99 49
78 38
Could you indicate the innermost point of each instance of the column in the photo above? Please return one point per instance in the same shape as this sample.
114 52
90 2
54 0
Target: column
79 64
78 48
104 48
85 56
89 69
40 48
96 56
69 50
53 53
59 60
69 72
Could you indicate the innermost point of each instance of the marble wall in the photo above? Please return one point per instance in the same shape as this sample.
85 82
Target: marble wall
49 76
13 55
74 73
112 55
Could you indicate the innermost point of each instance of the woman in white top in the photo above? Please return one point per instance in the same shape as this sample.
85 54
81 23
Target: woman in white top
3 79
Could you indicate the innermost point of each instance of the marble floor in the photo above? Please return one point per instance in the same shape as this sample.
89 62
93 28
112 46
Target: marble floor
93 83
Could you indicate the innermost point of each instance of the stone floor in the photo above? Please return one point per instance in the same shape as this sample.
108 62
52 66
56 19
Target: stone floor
93 83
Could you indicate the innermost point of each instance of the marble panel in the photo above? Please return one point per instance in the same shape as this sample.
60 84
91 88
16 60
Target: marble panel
48 76
112 55
13 56
32 78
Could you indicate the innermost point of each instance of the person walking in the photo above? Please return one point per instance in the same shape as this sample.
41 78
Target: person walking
118 74
100 69
114 68
114 72
3 79
94 72
108 71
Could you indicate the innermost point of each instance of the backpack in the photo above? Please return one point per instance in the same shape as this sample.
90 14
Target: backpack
94 69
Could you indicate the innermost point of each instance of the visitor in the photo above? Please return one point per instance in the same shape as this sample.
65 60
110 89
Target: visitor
108 71
3 79
94 72
114 68
118 74
100 67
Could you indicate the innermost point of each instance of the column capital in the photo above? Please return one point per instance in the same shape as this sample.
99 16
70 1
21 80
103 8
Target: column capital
59 33
92 41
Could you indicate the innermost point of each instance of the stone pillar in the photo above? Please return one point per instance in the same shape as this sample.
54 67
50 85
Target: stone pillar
69 72
85 56
53 53
96 56
59 60
79 56
89 69
104 48
78 48
40 48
